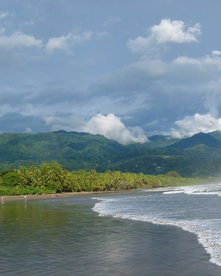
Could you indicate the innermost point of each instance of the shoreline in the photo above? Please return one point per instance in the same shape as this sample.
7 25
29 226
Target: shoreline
4 199
148 242
26 197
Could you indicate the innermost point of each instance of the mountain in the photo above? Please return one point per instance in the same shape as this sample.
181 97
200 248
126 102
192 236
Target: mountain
206 139
159 141
72 149
194 156
216 134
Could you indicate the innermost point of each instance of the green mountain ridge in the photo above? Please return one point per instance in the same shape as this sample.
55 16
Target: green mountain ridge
198 139
194 156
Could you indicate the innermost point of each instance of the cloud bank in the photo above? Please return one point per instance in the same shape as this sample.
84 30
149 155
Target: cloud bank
170 76
191 125
168 31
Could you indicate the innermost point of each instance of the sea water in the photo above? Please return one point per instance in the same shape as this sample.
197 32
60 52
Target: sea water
129 233
196 209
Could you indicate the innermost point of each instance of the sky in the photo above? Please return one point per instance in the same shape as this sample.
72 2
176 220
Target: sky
122 68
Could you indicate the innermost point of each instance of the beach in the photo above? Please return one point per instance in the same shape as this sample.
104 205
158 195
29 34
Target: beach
72 234
48 196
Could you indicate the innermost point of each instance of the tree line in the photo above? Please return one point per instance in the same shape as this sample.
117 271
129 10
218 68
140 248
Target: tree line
53 178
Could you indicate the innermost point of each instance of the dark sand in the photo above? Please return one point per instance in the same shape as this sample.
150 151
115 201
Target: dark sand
49 196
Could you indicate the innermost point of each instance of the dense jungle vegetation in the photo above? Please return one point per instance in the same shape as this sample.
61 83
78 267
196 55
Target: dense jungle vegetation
52 178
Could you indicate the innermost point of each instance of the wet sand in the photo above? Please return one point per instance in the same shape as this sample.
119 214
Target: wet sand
49 196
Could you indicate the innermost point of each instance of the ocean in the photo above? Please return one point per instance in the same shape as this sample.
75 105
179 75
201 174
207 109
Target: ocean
171 231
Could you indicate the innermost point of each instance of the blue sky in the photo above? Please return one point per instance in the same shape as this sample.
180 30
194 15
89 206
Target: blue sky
125 69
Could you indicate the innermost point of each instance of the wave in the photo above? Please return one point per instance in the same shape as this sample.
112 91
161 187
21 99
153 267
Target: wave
172 192
206 189
208 231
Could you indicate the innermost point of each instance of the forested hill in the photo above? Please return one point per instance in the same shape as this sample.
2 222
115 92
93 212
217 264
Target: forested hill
195 156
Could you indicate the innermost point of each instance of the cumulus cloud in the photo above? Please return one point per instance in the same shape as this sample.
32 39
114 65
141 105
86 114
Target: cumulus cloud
66 42
168 31
108 125
191 125
112 127
175 31
18 40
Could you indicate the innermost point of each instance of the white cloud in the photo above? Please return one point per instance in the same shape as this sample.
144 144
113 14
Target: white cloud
175 31
18 40
191 125
140 44
216 53
168 31
58 43
66 42
112 127
109 126
4 15
205 62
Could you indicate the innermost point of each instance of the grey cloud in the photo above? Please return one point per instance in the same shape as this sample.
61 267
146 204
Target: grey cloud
191 125
4 15
15 122
136 93
63 89
162 95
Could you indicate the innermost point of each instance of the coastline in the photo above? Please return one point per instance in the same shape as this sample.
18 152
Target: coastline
26 197
142 248
11 198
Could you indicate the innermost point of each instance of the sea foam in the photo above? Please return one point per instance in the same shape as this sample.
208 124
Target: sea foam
205 189
208 230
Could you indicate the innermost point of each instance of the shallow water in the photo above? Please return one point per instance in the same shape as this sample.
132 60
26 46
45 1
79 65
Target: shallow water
194 208
65 237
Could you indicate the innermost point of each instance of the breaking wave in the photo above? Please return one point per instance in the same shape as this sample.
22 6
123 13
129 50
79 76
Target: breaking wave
184 207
